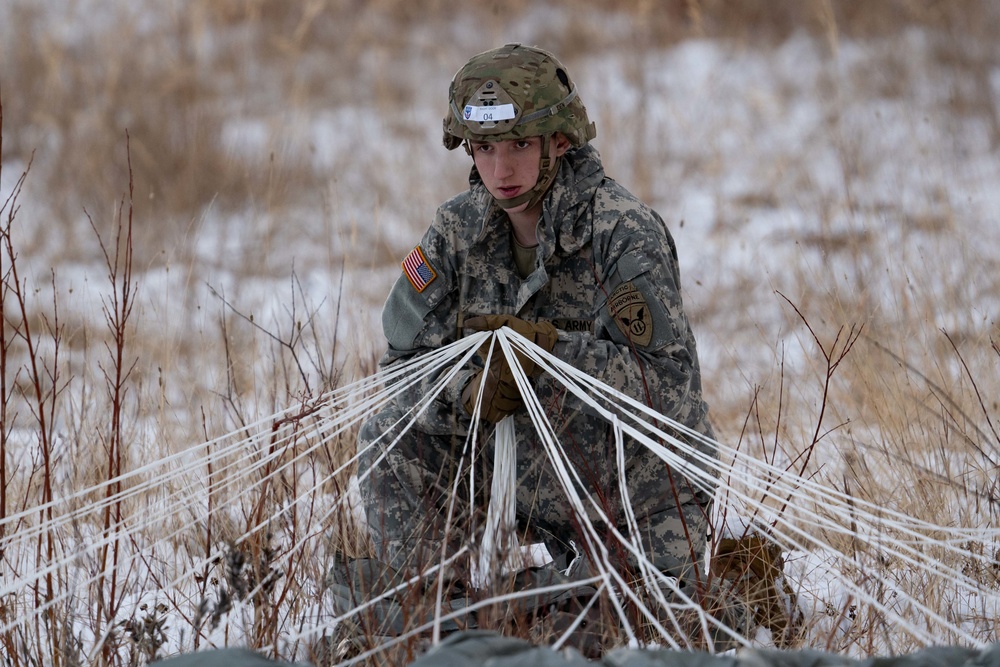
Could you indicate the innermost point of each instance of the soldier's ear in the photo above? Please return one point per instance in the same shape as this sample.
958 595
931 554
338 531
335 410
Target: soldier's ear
561 144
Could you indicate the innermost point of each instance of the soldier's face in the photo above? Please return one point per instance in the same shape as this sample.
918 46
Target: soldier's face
508 168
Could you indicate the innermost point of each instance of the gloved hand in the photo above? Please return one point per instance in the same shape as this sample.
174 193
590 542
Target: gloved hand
543 334
500 394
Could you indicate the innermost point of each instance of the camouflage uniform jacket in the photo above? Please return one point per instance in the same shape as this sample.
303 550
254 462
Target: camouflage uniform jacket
606 274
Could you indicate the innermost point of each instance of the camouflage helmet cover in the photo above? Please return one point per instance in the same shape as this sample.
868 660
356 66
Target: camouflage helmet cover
514 92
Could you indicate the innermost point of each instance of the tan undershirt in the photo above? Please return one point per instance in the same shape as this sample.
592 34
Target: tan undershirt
524 258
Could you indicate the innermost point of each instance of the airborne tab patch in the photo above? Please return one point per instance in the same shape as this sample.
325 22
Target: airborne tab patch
628 308
418 270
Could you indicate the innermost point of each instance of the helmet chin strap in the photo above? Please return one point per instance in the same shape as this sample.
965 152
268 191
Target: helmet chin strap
547 169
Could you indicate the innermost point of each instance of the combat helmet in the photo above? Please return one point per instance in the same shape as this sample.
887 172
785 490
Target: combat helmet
515 92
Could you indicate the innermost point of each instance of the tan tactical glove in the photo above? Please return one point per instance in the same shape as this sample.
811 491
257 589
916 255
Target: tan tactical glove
543 334
500 394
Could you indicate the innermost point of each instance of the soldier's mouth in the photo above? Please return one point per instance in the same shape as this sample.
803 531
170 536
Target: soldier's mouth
509 192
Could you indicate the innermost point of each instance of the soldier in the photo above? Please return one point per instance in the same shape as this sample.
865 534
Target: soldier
545 243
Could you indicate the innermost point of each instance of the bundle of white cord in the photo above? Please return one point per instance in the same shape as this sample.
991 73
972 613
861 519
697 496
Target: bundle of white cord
499 538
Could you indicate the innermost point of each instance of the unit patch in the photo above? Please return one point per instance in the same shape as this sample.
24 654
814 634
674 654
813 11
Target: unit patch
418 270
629 311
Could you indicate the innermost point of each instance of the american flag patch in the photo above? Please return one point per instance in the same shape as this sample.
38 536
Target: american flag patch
417 269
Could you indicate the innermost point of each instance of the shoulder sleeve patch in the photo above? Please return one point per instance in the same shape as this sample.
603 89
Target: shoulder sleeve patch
628 308
418 270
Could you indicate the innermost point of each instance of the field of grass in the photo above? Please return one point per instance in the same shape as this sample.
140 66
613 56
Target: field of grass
216 195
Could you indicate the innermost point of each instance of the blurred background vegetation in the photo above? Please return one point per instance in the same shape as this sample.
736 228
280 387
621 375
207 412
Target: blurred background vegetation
174 74
285 155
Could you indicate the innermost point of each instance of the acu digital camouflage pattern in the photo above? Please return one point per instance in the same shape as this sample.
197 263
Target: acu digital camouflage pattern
596 241
533 81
